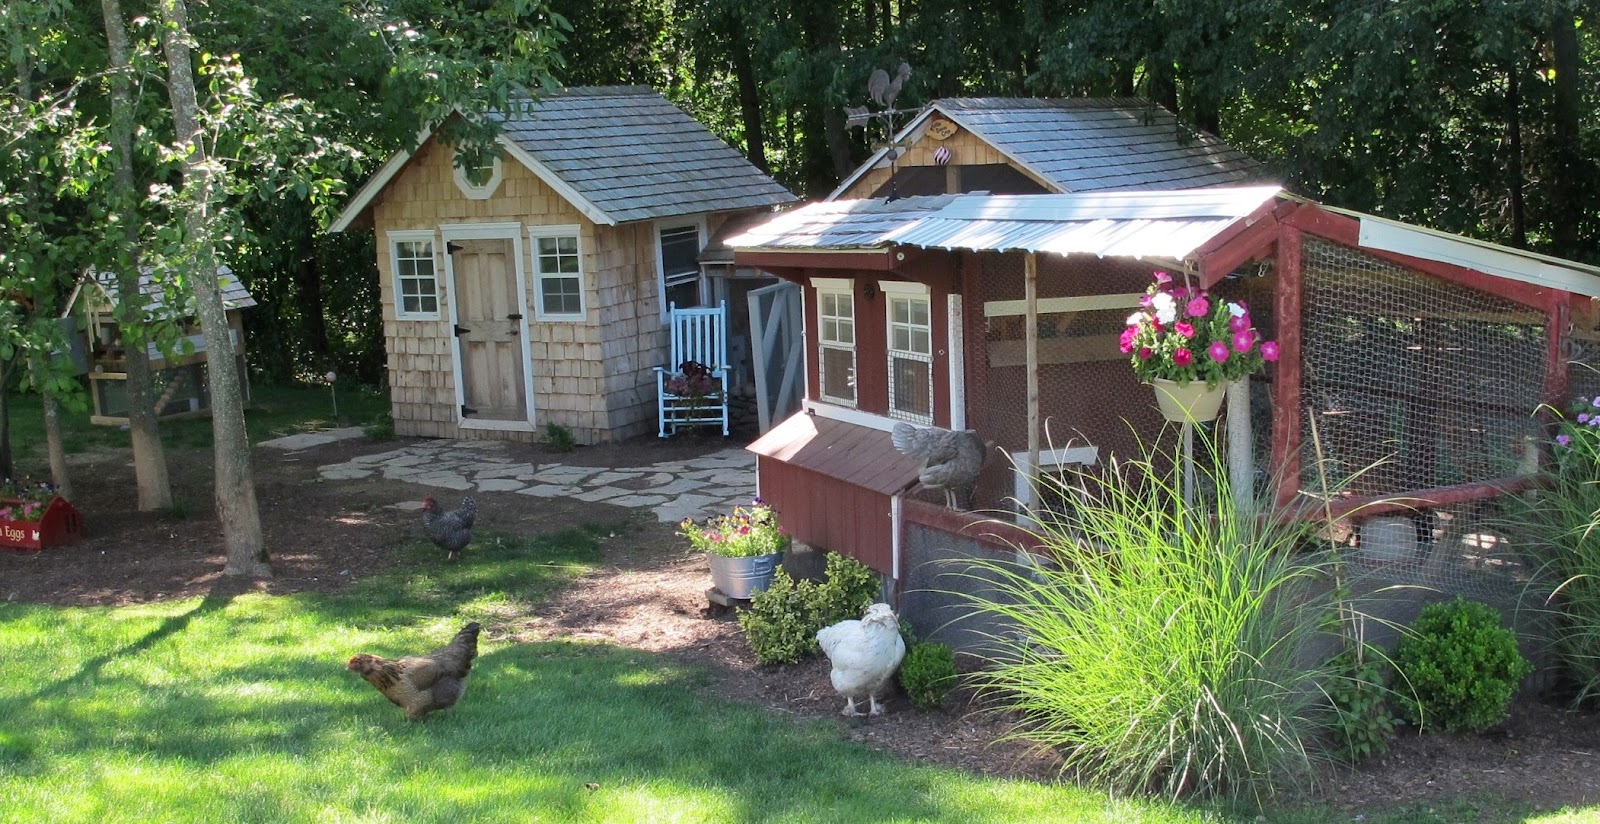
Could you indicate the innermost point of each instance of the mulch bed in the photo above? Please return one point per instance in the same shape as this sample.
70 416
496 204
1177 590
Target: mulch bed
650 594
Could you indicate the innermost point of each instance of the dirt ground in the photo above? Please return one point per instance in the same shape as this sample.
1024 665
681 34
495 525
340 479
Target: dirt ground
650 594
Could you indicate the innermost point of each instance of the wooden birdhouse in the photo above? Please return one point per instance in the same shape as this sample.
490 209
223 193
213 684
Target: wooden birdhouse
179 372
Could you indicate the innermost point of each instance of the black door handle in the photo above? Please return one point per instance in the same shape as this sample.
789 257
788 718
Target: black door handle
513 317
462 330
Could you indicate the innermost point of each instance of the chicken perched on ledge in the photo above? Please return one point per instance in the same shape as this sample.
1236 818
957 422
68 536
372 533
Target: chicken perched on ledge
419 685
450 531
951 461
864 655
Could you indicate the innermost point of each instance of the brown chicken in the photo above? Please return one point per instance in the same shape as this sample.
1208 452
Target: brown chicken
419 685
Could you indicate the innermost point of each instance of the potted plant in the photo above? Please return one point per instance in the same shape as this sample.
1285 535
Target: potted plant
744 548
33 516
1189 346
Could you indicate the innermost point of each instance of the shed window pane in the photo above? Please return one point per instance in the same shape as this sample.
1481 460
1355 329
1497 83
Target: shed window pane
416 287
558 268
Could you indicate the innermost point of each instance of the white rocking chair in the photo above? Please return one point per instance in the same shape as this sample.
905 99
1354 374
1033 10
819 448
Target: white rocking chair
699 340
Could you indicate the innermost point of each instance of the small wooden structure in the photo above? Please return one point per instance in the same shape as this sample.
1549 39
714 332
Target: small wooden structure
180 380
61 524
534 290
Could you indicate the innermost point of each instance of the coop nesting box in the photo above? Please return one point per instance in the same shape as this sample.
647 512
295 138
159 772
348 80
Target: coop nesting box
59 525
180 385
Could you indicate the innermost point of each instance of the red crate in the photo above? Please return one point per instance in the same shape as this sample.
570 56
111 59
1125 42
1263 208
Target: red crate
60 525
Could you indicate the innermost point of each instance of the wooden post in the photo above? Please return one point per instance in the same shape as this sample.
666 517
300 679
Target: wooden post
1241 459
1286 415
1031 294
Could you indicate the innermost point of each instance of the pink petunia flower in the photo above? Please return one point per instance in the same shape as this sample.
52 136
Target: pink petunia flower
1182 357
1183 329
1239 323
1163 277
1269 351
1243 340
1126 341
1145 353
1218 351
1145 300
1198 307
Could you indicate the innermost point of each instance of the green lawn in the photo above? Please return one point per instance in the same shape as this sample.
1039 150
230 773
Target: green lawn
274 411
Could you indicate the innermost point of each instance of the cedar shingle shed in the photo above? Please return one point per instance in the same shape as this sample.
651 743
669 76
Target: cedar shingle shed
533 291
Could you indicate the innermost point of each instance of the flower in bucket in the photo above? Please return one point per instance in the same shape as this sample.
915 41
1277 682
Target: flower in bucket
20 501
744 533
694 380
1182 335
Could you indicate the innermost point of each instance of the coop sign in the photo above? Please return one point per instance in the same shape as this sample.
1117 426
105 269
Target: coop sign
14 533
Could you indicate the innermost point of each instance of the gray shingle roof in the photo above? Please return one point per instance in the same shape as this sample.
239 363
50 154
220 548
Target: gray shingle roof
635 156
1086 145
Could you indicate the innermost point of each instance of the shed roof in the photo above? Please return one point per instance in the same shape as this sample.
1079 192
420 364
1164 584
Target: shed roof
860 455
618 154
1131 224
103 286
1089 144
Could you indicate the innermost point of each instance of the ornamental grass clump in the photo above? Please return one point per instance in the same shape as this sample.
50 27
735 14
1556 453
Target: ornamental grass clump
747 532
1163 648
1184 334
1563 521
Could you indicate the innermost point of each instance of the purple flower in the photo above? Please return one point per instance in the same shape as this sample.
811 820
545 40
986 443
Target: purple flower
1597 401
1218 351
1145 353
1269 351
1563 440
1145 300
1583 417
1126 342
1182 357
1198 307
1243 340
1183 329
1163 277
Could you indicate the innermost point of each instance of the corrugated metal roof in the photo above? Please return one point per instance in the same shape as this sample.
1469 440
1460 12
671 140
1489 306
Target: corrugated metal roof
234 295
1127 224
1092 144
855 454
635 156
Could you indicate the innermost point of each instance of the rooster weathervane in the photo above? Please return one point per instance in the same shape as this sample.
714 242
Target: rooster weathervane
883 89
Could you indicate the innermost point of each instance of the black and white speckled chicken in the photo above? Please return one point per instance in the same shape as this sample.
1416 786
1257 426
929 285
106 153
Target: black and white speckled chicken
951 461
450 531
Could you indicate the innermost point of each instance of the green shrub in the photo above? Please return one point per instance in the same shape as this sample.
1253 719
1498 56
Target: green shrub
1458 667
559 438
1363 723
1164 651
381 429
782 622
778 625
927 674
1563 520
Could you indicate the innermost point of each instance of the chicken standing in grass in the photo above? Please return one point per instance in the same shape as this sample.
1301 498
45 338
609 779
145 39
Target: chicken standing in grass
450 531
864 655
951 461
421 684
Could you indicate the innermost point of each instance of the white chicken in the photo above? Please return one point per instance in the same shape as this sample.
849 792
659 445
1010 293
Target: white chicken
864 655
951 461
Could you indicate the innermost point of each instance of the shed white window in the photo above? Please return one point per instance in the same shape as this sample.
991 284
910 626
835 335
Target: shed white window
910 327
678 265
416 286
836 340
479 178
557 272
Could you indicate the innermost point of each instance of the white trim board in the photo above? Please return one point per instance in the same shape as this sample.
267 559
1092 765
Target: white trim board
1500 261
491 231
850 416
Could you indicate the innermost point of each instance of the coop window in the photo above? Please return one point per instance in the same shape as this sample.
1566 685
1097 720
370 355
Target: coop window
558 272
478 177
910 352
416 287
836 336
678 261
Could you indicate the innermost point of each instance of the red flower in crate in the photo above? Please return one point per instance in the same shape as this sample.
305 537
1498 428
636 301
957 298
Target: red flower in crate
694 380
24 502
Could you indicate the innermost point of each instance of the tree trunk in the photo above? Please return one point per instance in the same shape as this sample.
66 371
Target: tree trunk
1515 181
149 455
308 298
755 146
1566 210
55 445
833 129
234 482
7 463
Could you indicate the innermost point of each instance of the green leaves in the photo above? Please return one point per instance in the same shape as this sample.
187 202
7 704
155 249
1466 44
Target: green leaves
1459 668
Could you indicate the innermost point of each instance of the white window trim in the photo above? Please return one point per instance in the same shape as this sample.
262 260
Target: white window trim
1022 471
699 223
837 286
902 289
570 230
492 231
394 239
497 172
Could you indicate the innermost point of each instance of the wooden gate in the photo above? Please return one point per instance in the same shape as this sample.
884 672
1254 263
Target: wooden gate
489 328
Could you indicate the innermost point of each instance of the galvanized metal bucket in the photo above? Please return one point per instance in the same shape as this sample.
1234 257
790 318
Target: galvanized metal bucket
743 577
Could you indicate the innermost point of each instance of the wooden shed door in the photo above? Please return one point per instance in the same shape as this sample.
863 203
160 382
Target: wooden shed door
489 314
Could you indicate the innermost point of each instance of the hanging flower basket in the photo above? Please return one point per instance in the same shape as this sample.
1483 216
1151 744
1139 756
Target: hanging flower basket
60 524
1192 402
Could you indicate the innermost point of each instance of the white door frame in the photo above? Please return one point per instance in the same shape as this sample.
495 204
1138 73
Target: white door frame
490 231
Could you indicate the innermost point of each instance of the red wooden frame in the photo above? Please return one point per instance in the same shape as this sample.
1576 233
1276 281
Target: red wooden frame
60 525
